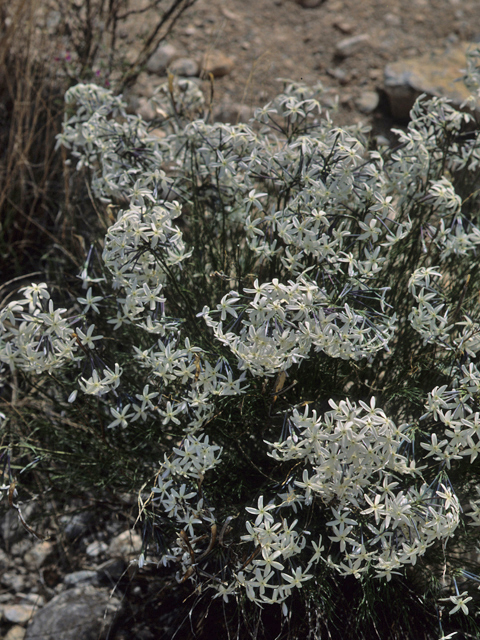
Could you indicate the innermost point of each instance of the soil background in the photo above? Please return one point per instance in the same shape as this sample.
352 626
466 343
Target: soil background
272 39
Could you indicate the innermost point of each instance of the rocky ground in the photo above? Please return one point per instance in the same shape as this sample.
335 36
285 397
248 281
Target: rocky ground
350 46
345 44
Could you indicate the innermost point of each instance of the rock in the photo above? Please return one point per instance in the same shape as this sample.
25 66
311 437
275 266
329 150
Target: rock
145 109
21 547
112 570
76 524
145 85
38 554
77 614
232 113
367 101
15 633
77 577
339 74
230 15
349 46
216 63
125 545
185 67
31 598
434 74
97 548
13 581
54 19
392 20
10 527
5 560
19 613
161 58
309 4
344 26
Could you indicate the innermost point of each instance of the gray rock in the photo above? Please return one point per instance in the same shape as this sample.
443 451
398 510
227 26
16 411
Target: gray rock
76 524
339 74
77 614
81 577
145 109
21 547
125 545
349 46
19 613
5 560
31 598
54 19
97 548
38 554
367 101
145 85
161 58
435 74
185 67
13 581
10 526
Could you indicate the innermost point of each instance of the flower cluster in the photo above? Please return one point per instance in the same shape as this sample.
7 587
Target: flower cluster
284 248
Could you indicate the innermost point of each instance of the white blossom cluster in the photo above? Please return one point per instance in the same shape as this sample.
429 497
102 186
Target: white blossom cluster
307 226
37 337
283 322
351 461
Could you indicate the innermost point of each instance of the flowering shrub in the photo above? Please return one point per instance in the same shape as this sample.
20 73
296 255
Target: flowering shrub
289 340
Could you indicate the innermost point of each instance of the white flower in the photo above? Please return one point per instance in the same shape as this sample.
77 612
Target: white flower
261 512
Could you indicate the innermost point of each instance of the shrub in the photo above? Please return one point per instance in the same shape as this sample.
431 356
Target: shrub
279 335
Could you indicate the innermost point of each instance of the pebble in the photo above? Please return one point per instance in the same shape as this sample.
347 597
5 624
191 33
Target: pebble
344 26
338 74
5 559
161 58
393 20
125 545
185 67
76 524
367 101
97 547
19 613
10 528
77 577
216 63
15 633
31 598
13 581
349 46
144 108
38 554
21 547
309 4
230 15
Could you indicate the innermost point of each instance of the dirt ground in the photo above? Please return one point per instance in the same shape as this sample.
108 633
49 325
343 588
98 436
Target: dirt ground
271 39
